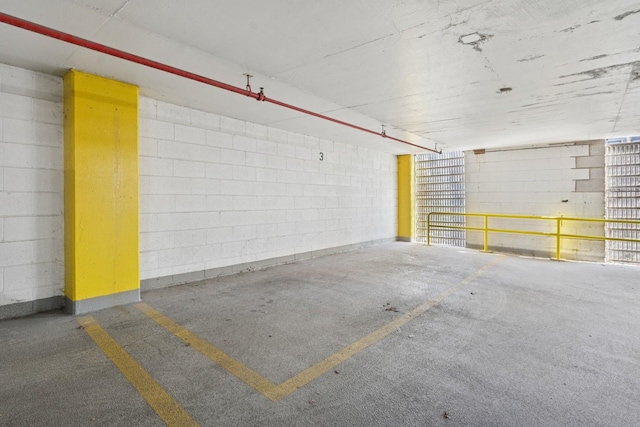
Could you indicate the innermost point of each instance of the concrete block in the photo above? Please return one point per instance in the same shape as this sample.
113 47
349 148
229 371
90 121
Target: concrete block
205 120
233 157
590 162
318 179
597 148
306 153
277 135
189 152
313 166
147 107
174 257
277 162
190 134
266 231
257 159
156 241
172 113
148 258
232 126
33 180
238 188
219 139
45 111
254 130
580 149
286 176
148 222
576 174
295 164
204 253
16 106
147 147
187 221
16 253
295 190
592 185
244 233
325 145
30 83
31 156
288 150
244 173
154 203
191 203
219 203
267 147
152 166
156 129
33 276
27 228
218 171
245 203
272 189
313 142
30 204
48 250
597 173
232 218
219 235
189 169
244 143
190 238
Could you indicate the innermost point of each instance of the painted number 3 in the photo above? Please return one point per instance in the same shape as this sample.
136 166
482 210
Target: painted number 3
321 156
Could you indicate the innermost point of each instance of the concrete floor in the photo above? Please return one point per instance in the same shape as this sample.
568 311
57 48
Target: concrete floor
420 336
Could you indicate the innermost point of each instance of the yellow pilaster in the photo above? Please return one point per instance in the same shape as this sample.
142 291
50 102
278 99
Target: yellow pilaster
100 192
406 218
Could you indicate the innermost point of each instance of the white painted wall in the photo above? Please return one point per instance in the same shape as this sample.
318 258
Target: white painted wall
31 186
546 180
214 191
217 192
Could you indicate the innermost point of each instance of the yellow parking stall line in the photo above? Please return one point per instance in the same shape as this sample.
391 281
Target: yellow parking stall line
248 375
315 371
276 392
170 411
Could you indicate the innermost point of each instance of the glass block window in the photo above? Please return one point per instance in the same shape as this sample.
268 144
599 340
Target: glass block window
623 198
440 188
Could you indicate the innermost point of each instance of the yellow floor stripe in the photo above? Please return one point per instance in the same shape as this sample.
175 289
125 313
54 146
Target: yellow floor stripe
249 376
313 372
276 392
160 401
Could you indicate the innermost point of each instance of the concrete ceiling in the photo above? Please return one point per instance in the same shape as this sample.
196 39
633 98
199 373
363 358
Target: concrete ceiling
461 74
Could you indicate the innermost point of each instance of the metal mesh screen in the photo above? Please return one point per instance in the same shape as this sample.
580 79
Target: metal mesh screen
623 200
440 188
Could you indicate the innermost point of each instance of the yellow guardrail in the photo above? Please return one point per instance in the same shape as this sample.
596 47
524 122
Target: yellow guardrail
558 234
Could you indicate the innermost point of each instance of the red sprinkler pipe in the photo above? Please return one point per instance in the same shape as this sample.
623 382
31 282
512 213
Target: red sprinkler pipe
49 32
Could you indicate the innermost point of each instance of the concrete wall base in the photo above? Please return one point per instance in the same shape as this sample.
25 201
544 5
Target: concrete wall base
20 309
179 279
99 303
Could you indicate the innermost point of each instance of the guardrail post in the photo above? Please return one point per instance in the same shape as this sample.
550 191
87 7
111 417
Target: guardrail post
486 233
558 221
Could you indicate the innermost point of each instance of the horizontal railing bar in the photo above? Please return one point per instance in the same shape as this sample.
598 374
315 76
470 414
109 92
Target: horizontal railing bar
443 224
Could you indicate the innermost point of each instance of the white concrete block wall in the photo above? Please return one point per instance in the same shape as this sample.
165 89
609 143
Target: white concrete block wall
546 180
31 186
217 192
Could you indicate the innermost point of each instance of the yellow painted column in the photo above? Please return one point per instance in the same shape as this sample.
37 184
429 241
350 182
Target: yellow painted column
100 193
406 216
